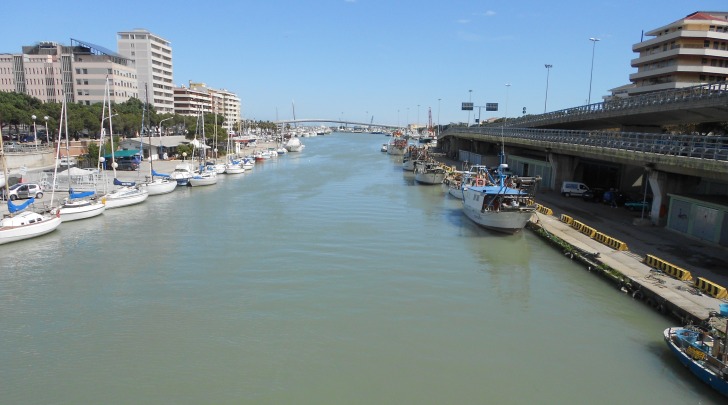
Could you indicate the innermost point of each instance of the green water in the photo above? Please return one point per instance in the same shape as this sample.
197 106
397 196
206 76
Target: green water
325 277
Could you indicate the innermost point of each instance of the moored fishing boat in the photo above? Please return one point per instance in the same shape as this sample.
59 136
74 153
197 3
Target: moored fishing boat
397 146
499 204
702 353
429 172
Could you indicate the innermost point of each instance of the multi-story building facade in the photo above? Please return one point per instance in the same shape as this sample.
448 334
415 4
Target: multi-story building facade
687 52
152 56
48 71
190 100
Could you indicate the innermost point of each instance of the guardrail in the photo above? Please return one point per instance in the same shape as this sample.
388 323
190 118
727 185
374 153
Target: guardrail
696 146
685 94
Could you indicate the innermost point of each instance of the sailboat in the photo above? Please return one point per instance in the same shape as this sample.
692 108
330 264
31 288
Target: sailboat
19 224
294 144
156 183
203 176
78 205
233 165
126 193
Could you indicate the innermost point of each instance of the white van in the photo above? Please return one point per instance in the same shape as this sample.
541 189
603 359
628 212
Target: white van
569 188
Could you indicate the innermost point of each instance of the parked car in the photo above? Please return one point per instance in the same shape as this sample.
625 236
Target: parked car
126 164
12 146
569 188
23 191
638 205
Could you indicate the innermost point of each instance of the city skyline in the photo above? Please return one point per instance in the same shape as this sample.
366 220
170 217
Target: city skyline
361 59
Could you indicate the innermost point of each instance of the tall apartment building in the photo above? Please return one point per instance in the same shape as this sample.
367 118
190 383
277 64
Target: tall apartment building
687 52
189 101
48 71
152 56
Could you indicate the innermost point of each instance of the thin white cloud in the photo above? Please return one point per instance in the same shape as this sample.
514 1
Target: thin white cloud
488 13
349 1
463 21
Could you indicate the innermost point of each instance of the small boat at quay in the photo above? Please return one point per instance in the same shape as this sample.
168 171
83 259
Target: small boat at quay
429 172
26 224
383 148
397 146
503 205
705 355
182 173
457 181
294 145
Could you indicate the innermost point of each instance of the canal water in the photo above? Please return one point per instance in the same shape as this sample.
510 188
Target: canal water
326 276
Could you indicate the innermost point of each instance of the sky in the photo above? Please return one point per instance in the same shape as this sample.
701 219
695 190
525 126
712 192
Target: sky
382 61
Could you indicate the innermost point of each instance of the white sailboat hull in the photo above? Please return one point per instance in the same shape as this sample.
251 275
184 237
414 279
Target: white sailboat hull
197 181
160 186
234 169
75 211
18 227
125 196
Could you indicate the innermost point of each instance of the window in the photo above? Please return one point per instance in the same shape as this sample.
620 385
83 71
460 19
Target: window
706 44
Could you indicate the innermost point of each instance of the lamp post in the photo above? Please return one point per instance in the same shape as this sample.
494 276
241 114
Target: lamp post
591 73
160 125
418 118
548 70
48 137
470 100
438 117
35 132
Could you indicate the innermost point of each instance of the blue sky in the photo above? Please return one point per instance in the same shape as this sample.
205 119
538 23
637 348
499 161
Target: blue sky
387 59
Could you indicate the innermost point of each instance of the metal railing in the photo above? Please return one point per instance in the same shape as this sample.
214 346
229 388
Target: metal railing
618 104
694 146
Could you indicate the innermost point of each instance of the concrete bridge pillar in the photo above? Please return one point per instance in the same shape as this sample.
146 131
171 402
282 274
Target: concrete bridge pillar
658 185
563 168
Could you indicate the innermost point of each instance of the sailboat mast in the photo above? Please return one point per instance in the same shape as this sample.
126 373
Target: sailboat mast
149 133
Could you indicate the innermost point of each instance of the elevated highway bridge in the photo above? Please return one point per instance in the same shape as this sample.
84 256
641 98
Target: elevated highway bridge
573 144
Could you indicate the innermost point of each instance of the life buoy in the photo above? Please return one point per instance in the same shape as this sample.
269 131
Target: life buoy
480 182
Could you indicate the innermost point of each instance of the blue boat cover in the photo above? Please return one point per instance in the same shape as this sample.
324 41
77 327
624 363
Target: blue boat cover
159 174
82 194
13 208
118 182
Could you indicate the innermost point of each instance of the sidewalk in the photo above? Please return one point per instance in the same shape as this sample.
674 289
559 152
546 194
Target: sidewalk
701 258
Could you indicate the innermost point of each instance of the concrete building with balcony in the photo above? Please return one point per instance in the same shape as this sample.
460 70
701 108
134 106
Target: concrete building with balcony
152 57
48 71
190 100
687 52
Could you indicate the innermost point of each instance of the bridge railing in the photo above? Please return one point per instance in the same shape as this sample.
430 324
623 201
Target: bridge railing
685 94
694 146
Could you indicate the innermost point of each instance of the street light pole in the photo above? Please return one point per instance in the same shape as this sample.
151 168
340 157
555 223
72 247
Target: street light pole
35 132
48 138
438 117
548 70
591 73
470 100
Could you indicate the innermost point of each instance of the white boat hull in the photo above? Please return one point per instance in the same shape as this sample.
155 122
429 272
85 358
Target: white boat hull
160 186
234 169
456 192
198 181
74 211
430 178
125 196
508 220
18 227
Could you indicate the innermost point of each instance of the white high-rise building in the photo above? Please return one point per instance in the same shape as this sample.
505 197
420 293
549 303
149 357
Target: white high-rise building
152 56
